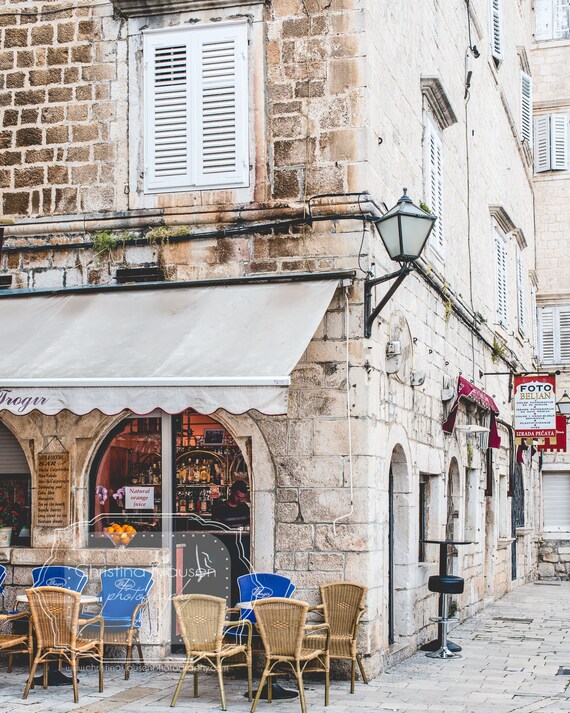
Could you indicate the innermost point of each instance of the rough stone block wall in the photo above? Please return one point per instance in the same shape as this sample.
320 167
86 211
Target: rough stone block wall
58 69
554 561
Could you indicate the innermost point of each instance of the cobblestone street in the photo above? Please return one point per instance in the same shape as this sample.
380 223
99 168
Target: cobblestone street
512 654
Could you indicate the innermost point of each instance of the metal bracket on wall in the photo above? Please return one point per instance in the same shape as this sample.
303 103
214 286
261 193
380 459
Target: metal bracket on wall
371 313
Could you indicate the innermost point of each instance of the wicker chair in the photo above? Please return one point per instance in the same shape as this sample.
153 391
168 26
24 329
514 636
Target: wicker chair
16 642
55 613
290 643
202 622
342 607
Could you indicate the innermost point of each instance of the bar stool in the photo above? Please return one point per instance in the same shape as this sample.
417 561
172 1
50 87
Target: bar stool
444 586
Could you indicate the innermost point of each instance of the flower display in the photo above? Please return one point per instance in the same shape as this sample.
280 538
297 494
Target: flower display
8 510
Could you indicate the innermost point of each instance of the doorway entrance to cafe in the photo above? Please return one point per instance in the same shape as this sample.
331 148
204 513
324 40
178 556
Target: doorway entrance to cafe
179 482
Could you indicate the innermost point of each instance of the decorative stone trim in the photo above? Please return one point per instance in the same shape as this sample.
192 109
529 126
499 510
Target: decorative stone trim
523 59
521 240
503 218
144 8
438 100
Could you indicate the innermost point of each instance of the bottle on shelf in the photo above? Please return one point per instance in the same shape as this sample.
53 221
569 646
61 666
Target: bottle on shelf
182 507
190 505
204 473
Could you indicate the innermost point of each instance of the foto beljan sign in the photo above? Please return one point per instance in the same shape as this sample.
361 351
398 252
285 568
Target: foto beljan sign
535 406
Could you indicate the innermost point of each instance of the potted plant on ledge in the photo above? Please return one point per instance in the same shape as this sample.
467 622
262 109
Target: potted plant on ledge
8 518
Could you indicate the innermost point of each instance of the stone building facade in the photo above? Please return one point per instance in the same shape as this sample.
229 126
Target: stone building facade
348 101
550 56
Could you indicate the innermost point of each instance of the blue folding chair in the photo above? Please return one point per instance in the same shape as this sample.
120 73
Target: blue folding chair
59 576
124 595
2 578
262 585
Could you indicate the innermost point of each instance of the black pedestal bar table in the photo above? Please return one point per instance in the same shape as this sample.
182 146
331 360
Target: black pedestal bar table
435 645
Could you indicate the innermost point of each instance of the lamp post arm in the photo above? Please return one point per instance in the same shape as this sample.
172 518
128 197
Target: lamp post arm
370 313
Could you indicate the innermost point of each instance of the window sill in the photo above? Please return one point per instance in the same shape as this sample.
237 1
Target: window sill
522 531
504 542
148 8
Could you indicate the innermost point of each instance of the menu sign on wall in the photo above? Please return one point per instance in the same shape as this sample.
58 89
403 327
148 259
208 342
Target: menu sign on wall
535 406
139 498
53 490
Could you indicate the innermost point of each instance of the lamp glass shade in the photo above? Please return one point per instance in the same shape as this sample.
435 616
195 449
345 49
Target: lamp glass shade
564 405
404 230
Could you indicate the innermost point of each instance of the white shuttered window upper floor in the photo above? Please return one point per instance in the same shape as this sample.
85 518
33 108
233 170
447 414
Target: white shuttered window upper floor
196 107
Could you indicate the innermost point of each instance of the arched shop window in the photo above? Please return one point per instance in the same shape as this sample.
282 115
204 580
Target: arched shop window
15 485
207 481
126 484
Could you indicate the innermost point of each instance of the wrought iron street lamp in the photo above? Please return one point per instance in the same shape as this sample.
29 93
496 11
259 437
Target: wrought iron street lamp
404 230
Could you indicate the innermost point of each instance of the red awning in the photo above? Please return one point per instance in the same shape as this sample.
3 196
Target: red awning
470 392
559 442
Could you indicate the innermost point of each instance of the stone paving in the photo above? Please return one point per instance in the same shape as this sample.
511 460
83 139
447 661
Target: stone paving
512 653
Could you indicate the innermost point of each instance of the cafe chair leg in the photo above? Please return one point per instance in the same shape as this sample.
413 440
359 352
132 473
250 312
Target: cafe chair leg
221 684
352 674
249 679
299 677
264 677
361 668
10 663
195 683
180 682
45 680
139 649
74 675
327 680
30 682
128 662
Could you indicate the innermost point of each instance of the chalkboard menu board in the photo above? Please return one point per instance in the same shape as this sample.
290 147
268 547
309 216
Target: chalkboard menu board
52 509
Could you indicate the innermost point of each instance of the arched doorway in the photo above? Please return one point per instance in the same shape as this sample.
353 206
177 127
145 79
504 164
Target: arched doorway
15 485
454 523
400 551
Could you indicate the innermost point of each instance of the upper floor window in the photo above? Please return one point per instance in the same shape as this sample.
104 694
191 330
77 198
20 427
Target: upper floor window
551 143
433 176
526 108
196 108
521 293
554 330
497 30
552 19
501 275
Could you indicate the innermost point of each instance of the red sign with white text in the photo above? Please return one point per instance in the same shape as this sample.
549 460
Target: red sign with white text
558 443
535 406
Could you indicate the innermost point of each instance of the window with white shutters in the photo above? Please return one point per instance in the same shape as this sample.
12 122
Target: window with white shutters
554 326
551 143
501 279
196 108
534 317
497 30
556 501
526 108
552 20
434 183
521 292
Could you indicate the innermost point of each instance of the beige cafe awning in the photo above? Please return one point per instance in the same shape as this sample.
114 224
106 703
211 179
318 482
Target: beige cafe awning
230 346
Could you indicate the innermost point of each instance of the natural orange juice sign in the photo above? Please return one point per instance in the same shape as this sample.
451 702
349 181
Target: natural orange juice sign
139 498
535 406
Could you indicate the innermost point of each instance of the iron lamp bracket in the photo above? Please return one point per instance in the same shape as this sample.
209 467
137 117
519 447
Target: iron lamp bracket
370 313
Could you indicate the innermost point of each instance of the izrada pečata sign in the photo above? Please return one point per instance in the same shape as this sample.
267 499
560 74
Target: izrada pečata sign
535 406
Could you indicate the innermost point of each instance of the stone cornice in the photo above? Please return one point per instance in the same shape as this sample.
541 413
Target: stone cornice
503 218
145 8
438 100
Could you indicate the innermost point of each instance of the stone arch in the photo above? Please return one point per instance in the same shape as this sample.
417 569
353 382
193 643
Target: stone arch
253 445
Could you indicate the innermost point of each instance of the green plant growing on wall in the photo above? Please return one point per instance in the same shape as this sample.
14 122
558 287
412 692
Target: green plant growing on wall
498 351
161 235
480 318
448 306
104 241
425 206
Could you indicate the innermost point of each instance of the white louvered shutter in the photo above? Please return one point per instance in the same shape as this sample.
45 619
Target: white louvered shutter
526 107
556 501
558 142
196 108
542 144
543 16
561 19
222 125
564 335
534 318
521 293
501 276
434 185
546 325
496 30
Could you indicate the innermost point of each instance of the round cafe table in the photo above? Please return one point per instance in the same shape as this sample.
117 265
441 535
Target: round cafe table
278 693
435 645
55 676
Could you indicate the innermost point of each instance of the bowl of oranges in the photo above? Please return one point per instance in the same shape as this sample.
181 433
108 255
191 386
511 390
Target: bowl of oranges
120 535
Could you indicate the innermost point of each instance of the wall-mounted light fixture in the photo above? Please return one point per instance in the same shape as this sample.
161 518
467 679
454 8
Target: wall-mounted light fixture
564 405
404 230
